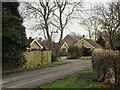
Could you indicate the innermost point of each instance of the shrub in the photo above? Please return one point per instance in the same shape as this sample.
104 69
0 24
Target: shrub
85 51
74 52
117 48
106 66
63 52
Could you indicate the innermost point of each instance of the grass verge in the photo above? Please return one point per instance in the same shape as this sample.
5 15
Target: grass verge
86 57
83 79
28 69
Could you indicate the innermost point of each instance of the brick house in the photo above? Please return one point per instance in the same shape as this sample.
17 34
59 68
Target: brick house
72 40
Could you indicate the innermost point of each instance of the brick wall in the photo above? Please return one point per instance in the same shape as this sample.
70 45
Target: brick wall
68 40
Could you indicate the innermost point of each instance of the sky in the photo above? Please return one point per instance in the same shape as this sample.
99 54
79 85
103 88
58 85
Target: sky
73 27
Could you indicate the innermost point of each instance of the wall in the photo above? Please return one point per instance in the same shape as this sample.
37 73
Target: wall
68 40
64 47
64 50
34 46
85 44
37 58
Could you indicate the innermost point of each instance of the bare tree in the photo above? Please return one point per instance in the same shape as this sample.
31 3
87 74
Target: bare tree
110 19
62 17
88 25
42 11
96 20
51 18
90 21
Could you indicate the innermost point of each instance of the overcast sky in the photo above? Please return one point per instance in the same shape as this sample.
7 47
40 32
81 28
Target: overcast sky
73 27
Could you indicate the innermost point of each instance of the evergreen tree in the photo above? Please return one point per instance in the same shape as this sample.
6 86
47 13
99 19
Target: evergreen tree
100 40
14 41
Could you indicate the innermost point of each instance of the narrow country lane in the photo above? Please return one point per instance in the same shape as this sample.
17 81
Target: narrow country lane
34 78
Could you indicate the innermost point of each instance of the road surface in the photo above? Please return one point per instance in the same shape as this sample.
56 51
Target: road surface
35 78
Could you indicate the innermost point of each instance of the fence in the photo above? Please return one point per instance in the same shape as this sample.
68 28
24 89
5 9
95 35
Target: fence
106 66
37 58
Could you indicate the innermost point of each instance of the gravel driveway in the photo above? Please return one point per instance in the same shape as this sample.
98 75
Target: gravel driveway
34 78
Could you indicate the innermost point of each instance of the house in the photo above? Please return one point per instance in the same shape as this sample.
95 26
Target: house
37 44
72 40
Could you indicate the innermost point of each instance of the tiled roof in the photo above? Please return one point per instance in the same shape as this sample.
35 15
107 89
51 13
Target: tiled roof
44 43
93 43
75 38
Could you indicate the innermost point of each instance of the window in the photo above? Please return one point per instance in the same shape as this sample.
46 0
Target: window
64 50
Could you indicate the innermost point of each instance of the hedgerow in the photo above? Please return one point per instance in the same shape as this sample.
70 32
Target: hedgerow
106 66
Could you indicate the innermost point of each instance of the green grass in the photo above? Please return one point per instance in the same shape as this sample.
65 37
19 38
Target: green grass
27 69
82 79
86 57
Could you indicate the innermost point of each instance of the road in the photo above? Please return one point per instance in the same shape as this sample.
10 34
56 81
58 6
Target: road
35 78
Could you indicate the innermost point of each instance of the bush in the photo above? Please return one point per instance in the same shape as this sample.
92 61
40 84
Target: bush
85 51
74 52
106 66
117 48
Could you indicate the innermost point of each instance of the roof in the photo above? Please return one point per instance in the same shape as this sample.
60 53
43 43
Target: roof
76 39
93 43
44 43
36 43
65 44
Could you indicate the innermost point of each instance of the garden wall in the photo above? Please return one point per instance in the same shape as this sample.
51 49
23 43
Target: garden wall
37 58
106 66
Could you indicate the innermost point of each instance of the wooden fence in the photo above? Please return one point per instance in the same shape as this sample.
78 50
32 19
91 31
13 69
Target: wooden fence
37 58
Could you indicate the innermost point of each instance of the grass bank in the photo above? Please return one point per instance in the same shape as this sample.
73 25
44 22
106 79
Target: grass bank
28 69
86 57
83 79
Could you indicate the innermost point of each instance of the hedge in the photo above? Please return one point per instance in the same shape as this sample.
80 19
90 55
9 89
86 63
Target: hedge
74 52
106 66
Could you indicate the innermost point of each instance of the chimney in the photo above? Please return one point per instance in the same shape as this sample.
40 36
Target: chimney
83 36
40 39
30 38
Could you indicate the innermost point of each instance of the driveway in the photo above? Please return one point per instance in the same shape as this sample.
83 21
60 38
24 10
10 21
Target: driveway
71 60
34 78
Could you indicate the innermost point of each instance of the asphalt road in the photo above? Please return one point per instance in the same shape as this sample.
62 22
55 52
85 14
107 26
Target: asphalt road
35 78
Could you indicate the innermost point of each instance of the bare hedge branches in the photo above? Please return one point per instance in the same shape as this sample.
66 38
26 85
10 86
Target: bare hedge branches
106 66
